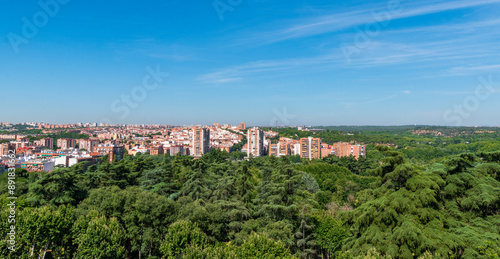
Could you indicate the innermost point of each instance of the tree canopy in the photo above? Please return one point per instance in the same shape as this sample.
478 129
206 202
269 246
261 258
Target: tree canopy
391 204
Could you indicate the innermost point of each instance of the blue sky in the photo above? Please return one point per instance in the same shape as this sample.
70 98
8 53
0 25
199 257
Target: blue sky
260 61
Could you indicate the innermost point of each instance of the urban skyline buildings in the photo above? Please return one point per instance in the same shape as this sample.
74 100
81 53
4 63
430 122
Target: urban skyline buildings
310 148
201 141
255 141
36 151
280 149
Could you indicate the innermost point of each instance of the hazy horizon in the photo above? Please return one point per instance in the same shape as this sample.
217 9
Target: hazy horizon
267 126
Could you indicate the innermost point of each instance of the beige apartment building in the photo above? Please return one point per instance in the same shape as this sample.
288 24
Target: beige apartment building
255 137
310 148
200 144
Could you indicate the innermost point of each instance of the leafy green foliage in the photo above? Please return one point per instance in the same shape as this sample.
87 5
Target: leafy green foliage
442 211
419 200
330 233
181 235
98 237
39 230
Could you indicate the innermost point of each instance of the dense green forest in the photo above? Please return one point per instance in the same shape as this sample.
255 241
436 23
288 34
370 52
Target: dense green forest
391 204
428 146
19 129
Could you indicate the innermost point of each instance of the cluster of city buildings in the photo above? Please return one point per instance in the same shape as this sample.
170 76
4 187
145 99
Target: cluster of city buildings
309 148
45 153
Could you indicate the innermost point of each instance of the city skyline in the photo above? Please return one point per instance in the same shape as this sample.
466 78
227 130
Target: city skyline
90 124
67 145
311 63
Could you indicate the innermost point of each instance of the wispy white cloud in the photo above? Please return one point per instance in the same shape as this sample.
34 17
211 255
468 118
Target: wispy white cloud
474 70
153 48
434 47
379 54
433 7
459 92
173 57
451 92
227 75
345 19
219 78
465 27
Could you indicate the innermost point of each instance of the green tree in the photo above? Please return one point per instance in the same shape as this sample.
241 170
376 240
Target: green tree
99 237
305 240
56 188
142 214
330 234
181 235
261 246
40 231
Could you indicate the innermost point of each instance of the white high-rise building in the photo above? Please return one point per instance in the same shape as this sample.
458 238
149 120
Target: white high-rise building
201 141
255 137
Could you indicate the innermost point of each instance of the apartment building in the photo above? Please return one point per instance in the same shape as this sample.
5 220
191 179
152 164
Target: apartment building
343 149
47 143
20 144
178 149
4 149
113 151
32 166
158 150
273 150
200 144
255 137
280 149
88 144
358 151
310 148
66 143
242 126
